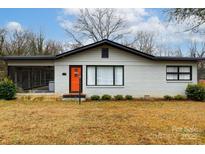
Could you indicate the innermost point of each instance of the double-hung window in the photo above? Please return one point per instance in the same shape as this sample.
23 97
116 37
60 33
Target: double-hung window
179 73
105 76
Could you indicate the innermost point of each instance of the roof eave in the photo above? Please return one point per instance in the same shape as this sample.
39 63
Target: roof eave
27 58
178 59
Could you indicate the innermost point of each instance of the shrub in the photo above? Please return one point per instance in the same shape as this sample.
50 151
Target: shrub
195 92
168 97
7 89
119 97
128 97
95 97
179 97
106 97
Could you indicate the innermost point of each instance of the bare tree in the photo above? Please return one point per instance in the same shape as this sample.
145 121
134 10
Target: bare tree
27 43
2 40
39 41
17 44
52 47
143 41
196 49
40 46
193 49
146 42
178 52
3 67
195 17
72 45
167 51
97 24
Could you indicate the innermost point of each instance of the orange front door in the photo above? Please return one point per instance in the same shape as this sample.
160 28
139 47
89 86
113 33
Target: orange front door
75 79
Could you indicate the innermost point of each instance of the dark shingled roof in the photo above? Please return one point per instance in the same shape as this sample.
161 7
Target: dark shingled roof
100 43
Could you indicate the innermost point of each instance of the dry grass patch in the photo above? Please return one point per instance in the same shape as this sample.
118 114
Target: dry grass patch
123 122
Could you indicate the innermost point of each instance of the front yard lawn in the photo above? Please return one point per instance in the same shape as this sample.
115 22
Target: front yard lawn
122 122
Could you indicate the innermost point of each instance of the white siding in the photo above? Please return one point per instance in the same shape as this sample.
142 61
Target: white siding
141 76
61 82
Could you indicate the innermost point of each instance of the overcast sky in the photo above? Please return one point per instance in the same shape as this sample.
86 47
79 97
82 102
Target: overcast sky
52 21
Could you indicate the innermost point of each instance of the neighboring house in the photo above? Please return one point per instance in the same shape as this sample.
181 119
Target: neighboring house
105 67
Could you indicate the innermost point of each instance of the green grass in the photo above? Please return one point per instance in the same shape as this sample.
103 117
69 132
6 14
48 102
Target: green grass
124 122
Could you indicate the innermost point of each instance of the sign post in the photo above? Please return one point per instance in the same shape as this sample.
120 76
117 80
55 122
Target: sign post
79 94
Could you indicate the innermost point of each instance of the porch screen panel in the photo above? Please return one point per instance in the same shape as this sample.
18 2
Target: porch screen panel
29 77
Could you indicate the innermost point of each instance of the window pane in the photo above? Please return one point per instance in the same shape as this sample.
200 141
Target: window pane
104 75
184 76
91 75
172 76
172 69
118 76
184 69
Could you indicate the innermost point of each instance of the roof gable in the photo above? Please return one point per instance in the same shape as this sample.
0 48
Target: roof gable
105 42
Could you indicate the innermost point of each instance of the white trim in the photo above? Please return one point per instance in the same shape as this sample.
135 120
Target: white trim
179 81
105 86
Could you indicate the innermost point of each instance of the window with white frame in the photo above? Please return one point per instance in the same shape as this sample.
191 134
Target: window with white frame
179 73
105 75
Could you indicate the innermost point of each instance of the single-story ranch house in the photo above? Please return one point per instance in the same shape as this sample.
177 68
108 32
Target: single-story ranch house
104 67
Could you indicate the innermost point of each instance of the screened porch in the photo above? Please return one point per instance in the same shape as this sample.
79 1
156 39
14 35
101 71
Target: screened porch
32 77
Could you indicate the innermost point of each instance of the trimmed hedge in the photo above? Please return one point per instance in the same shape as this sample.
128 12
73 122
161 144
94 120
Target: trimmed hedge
7 89
118 97
109 97
179 97
128 97
95 97
168 97
106 97
195 92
